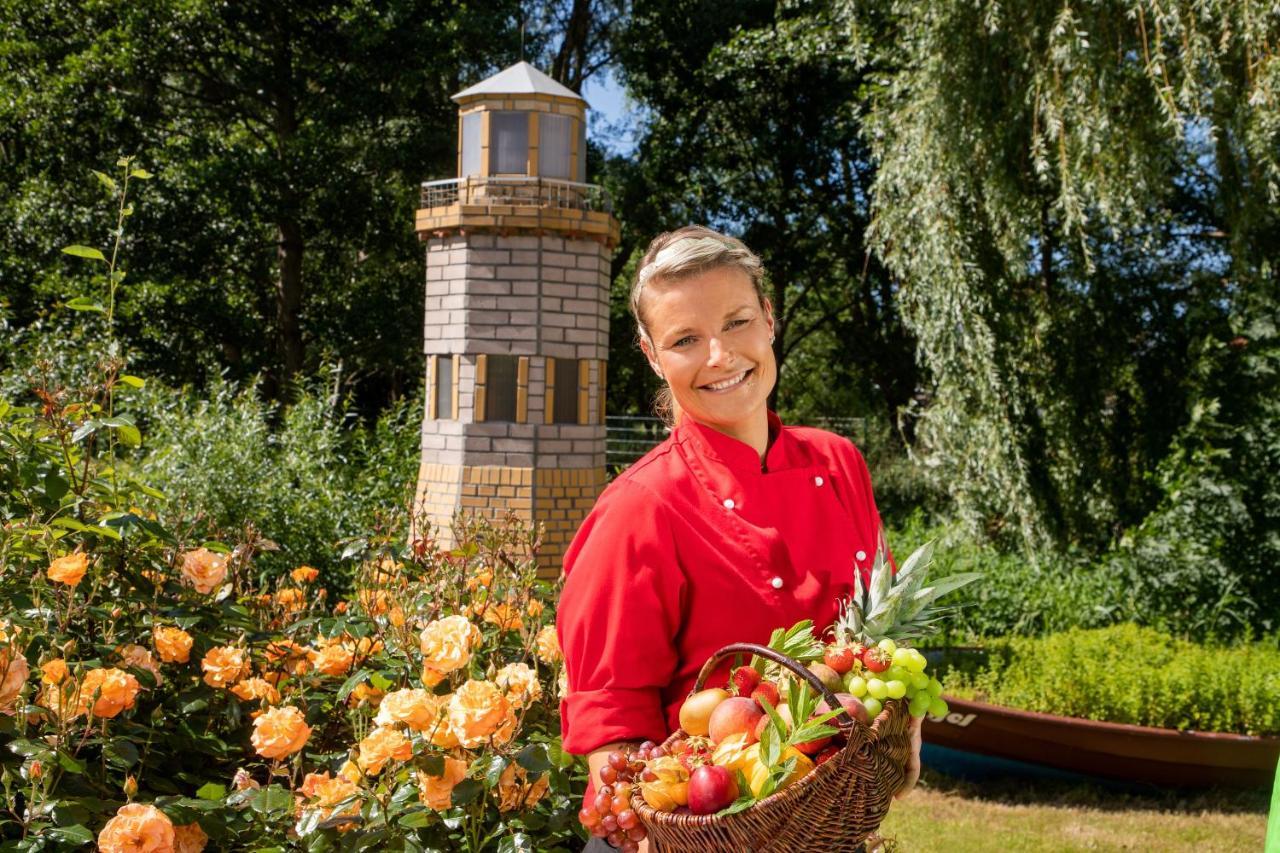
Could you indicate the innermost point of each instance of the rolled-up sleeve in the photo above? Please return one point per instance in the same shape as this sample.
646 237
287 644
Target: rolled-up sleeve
619 614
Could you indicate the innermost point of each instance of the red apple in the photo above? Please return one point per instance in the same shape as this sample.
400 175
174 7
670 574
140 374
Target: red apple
738 714
711 788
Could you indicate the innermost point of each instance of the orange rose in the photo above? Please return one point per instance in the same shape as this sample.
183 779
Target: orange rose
54 672
480 579
335 660
137 657
204 570
476 711
280 732
295 659
14 670
69 569
364 693
106 692
417 709
447 643
172 644
519 683
375 601
548 645
224 666
257 688
291 599
436 792
326 794
189 838
534 608
506 616
515 792
137 828
382 745
304 574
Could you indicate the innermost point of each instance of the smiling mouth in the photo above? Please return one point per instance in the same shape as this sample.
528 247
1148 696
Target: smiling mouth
731 382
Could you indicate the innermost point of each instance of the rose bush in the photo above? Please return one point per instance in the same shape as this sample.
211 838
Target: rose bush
159 692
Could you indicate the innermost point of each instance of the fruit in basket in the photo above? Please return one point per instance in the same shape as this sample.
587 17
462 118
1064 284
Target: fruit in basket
852 705
757 772
731 752
695 713
828 676
873 706
692 751
855 685
669 787
876 659
766 691
711 788
877 689
839 657
745 679
738 714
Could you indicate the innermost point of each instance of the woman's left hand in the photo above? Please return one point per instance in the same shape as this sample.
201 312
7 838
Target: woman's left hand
913 761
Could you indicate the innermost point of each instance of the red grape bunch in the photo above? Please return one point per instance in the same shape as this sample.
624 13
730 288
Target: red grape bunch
608 814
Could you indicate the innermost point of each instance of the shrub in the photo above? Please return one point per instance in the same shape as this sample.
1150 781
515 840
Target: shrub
1130 674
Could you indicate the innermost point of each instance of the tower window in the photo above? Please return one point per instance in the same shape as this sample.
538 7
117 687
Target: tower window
554 134
566 402
471 144
443 389
509 143
500 380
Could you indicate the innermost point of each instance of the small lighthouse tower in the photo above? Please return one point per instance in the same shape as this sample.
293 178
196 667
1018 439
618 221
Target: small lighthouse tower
517 314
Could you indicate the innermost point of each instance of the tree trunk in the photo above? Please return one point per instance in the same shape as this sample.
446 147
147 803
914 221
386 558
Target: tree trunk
570 63
289 248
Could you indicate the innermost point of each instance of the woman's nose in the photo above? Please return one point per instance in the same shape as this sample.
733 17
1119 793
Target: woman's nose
718 353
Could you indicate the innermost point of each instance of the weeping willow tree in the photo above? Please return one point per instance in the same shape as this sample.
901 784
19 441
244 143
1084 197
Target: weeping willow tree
1079 200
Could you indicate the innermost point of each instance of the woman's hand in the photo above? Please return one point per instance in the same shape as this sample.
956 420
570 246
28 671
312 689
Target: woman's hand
913 761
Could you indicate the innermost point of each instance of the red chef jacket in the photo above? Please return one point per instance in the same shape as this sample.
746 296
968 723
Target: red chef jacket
696 546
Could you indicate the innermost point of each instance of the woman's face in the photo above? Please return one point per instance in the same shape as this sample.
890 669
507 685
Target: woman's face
709 338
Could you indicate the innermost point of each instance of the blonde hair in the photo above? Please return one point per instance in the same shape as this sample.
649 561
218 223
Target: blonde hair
683 253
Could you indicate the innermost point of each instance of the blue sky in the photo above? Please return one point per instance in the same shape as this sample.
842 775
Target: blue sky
611 120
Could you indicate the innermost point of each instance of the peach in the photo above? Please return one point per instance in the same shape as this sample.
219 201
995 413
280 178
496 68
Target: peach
734 715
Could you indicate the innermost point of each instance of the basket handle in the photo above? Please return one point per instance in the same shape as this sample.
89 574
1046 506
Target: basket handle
843 720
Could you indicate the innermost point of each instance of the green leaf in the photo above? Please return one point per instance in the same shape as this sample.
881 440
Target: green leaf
131 381
84 303
105 179
517 843
85 252
272 798
141 174
54 486
534 758
69 764
74 834
415 819
211 791
121 752
350 684
466 791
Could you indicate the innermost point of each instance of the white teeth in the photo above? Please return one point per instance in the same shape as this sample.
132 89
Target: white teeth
728 383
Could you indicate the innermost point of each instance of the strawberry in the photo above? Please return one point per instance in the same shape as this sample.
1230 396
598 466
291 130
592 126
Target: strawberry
693 752
839 658
745 679
876 659
766 691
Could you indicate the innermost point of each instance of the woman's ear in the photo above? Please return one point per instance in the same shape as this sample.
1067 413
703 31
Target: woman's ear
646 346
768 316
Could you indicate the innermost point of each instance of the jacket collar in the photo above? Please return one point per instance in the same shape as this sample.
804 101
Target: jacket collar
736 455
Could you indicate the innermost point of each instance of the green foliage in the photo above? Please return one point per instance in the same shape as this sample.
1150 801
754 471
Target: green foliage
1129 674
306 476
1074 198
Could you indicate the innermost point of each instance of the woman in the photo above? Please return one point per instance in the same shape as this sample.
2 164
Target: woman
732 527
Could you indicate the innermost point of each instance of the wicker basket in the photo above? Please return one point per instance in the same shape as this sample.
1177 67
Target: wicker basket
833 808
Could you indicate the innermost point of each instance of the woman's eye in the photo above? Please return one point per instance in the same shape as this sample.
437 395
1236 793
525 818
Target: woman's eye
685 340
733 324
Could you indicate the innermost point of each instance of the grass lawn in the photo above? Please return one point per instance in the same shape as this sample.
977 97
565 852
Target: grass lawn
945 814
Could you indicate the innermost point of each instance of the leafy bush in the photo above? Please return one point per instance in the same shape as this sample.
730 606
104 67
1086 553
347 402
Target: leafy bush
306 476
1016 595
1130 674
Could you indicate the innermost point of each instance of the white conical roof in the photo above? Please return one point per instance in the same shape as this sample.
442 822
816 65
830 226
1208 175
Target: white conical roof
520 79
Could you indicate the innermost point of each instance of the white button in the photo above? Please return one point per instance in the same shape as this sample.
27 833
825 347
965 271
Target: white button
817 481
776 583
728 503
861 555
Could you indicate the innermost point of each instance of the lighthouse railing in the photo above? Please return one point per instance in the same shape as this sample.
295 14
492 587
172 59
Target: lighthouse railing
516 191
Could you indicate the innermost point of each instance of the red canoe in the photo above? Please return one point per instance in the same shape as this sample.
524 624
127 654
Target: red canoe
1112 750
